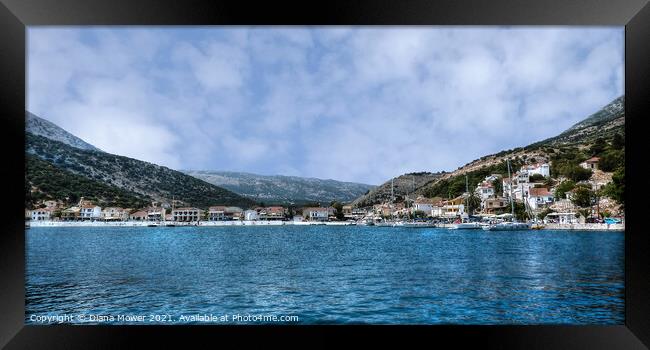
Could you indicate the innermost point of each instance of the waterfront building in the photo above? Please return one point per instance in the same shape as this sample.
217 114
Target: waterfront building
539 197
156 213
423 204
71 214
114 214
272 213
316 213
187 214
217 213
250 215
90 212
41 214
139 215
234 213
492 205
454 207
347 211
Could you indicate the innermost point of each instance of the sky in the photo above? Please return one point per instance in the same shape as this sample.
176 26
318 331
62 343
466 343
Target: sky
359 104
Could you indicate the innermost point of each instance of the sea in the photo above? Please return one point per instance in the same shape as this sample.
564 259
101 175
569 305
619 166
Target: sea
300 275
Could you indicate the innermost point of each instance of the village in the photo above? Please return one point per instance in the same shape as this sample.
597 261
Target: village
491 200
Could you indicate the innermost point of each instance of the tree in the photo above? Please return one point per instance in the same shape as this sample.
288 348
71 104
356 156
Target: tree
612 160
597 147
563 188
473 203
616 188
583 197
498 186
544 212
536 178
339 210
618 142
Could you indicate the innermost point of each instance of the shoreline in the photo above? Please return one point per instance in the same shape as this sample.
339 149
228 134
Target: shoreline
573 227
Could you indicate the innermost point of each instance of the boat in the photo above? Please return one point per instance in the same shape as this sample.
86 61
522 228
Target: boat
536 226
467 226
153 225
419 224
507 226
170 225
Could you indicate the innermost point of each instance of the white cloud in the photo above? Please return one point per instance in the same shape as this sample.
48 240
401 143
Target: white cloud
355 104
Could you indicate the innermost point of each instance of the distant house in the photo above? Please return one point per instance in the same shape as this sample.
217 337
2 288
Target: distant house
539 198
234 213
41 214
90 212
316 213
71 214
485 190
591 163
156 213
454 207
423 204
217 213
139 215
51 204
250 215
272 213
347 211
522 176
114 214
539 168
187 214
491 205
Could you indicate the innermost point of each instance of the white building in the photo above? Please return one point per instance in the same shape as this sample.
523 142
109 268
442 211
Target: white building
316 214
90 212
187 214
485 190
423 204
114 213
539 198
540 168
250 215
42 214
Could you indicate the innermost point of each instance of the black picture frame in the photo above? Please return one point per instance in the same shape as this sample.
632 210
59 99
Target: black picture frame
15 15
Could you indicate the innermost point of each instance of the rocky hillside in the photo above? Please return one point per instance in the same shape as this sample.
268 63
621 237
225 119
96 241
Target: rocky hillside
44 181
402 185
577 143
285 190
39 126
602 124
138 178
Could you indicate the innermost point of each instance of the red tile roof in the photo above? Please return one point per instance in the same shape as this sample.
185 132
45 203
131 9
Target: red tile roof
539 192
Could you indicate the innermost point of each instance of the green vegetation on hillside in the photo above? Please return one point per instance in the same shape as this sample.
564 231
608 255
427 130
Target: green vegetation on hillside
455 185
44 181
133 175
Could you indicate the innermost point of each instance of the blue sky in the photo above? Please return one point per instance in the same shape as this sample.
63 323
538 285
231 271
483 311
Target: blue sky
358 104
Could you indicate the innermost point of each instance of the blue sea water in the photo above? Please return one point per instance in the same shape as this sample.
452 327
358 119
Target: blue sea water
323 275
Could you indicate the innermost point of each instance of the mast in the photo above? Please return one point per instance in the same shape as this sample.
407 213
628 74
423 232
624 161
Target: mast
512 202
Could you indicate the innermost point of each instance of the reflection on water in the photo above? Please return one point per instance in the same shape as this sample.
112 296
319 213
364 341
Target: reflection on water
328 274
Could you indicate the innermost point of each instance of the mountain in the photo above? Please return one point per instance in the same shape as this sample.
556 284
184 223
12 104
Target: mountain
604 123
278 189
39 126
137 178
402 185
44 181
593 136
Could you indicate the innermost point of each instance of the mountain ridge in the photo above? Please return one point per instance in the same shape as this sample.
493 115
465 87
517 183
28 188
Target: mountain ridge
282 189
